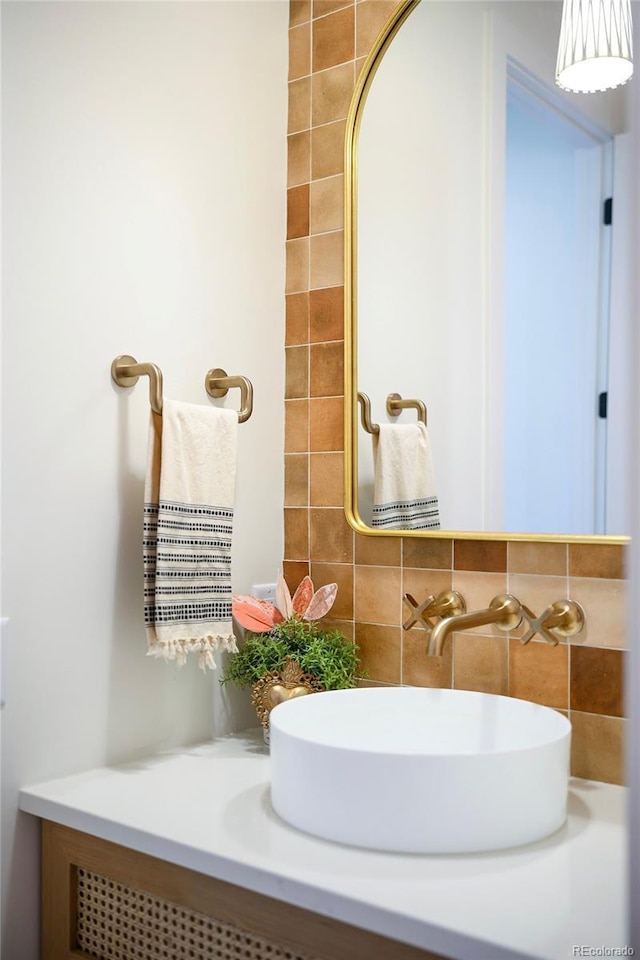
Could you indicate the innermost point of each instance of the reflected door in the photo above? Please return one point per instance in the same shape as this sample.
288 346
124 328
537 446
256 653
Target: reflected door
556 299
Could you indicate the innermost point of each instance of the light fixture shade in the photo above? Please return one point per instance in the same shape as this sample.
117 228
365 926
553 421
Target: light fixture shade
596 47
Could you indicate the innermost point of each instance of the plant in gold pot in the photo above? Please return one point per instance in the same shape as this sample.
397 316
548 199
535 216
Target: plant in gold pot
286 653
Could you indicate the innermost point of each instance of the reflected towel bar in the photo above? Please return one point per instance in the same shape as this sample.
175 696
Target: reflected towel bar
217 385
395 405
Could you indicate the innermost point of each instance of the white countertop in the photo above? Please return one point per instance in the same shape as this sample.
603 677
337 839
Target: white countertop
207 808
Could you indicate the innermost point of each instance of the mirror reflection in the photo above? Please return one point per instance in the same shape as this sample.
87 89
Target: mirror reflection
490 284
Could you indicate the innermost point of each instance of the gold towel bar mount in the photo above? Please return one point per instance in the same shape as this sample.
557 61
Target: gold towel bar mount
217 385
126 371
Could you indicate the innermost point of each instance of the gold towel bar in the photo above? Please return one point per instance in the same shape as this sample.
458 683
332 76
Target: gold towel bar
126 371
395 405
217 385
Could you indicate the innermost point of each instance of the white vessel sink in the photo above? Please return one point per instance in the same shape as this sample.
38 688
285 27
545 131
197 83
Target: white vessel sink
420 770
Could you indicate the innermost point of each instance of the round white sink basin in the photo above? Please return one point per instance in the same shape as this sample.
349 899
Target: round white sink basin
418 770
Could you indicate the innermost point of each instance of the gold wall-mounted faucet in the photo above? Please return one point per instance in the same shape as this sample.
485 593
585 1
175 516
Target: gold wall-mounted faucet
449 603
560 620
505 611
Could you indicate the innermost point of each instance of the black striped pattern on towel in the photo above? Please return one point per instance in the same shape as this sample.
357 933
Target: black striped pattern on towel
407 515
187 563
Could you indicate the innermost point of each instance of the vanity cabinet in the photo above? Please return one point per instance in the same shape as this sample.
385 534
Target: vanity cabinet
108 902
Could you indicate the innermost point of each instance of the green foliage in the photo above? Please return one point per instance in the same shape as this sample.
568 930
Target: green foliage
324 653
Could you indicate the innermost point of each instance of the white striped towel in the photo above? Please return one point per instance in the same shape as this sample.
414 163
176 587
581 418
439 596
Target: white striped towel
188 523
404 495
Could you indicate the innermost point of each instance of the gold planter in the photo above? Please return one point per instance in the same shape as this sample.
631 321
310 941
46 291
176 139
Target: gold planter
279 685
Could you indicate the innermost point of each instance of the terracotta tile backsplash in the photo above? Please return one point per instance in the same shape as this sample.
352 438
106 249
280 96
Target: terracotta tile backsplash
329 40
428 554
590 560
298 158
419 670
597 747
296 480
297 319
326 259
596 680
331 94
539 558
326 481
298 211
300 51
326 424
326 205
380 648
539 672
334 39
326 369
323 7
299 12
480 555
481 663
371 18
326 315
299 104
330 536
327 146
297 259
297 372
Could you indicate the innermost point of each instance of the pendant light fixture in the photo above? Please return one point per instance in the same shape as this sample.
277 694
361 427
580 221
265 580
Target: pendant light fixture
596 49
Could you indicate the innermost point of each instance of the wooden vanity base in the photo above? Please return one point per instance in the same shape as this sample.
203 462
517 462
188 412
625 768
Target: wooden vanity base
107 902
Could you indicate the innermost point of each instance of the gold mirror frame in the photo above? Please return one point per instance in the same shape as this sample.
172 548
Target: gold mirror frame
354 119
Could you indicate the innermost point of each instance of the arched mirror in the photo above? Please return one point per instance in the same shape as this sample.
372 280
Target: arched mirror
486 286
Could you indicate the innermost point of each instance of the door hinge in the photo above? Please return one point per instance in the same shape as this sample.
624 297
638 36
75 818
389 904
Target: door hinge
607 212
602 405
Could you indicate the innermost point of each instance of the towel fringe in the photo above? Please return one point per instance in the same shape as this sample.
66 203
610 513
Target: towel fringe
178 650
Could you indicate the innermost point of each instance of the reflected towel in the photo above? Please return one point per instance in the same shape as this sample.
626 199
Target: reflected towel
188 521
404 488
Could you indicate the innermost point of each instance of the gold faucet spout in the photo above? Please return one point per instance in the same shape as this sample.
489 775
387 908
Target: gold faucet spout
505 611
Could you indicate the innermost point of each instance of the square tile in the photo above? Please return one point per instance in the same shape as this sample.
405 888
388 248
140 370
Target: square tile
298 158
597 681
334 39
377 594
297 372
331 538
327 149
327 369
486 555
298 211
539 672
418 668
326 314
326 260
296 480
331 93
597 747
480 663
326 480
300 51
379 651
326 205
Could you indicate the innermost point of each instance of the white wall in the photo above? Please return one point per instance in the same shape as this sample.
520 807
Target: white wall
144 162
